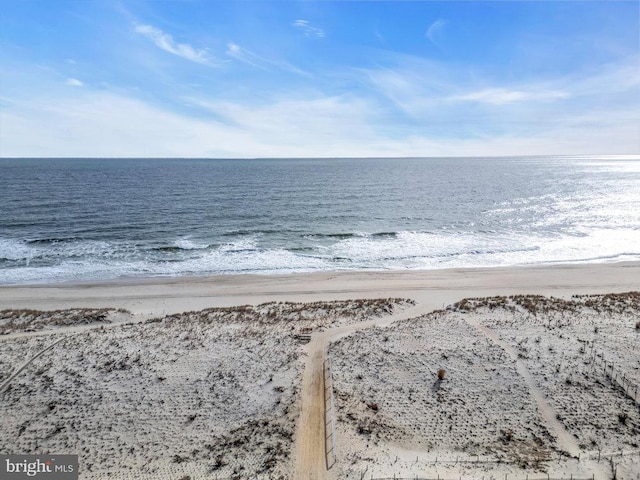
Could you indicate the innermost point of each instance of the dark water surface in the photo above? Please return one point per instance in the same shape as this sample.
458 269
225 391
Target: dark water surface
82 219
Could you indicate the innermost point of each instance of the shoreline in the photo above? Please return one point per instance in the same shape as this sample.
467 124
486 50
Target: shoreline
433 288
198 277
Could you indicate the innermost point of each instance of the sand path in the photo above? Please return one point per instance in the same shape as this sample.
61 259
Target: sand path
564 439
312 458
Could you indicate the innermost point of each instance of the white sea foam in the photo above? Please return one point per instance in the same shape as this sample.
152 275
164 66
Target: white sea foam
11 249
186 243
238 246
258 261
406 250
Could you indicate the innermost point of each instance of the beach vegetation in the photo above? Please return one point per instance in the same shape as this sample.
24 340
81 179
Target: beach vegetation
29 320
507 435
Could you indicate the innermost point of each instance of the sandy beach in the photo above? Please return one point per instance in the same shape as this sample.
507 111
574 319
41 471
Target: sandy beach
227 376
432 288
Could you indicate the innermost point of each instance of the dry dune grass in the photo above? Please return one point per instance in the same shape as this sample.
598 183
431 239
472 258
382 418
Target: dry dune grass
483 406
24 320
466 411
197 394
558 343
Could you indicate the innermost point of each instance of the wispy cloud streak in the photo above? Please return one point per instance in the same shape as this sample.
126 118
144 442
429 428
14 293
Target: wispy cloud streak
251 58
242 54
502 96
74 82
308 29
168 44
435 29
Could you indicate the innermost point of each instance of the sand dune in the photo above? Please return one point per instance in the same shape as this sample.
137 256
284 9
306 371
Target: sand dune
185 384
201 393
392 404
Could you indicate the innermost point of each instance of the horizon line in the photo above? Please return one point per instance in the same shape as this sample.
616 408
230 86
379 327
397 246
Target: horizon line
636 155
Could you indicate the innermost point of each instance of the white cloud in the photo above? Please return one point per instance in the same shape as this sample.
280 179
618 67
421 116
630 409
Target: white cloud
431 92
106 125
247 56
167 43
103 124
74 82
502 96
326 125
233 49
419 87
308 29
414 88
435 30
610 78
242 54
415 109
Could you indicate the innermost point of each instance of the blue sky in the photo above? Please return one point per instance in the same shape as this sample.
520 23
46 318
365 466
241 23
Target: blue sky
191 78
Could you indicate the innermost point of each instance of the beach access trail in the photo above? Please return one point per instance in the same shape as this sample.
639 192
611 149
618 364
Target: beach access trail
311 456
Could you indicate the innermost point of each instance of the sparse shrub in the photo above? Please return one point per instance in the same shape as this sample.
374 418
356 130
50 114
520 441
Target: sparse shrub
219 461
638 325
441 373
507 435
362 430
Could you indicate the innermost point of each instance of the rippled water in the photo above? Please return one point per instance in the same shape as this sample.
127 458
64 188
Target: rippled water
82 219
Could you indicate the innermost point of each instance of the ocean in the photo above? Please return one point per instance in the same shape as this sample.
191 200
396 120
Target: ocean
97 219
